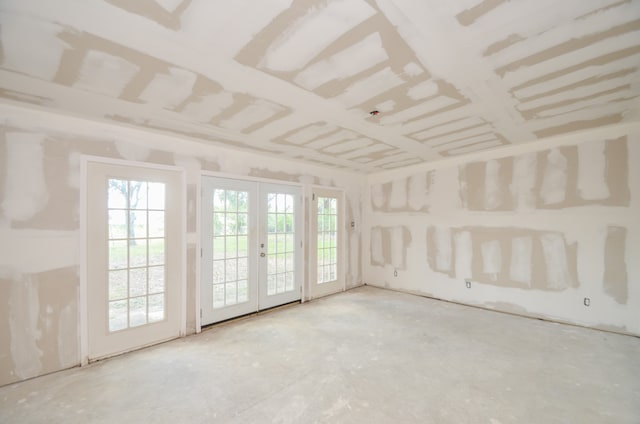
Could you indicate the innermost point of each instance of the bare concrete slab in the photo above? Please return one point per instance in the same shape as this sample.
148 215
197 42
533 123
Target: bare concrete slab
366 356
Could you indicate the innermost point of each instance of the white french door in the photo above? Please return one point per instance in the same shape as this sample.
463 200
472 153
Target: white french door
229 242
327 275
251 247
280 239
134 257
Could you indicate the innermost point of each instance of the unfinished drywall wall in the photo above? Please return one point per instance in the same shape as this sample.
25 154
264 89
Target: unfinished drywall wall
40 240
549 233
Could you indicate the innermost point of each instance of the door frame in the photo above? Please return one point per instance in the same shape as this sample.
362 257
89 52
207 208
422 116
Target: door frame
199 188
83 240
341 242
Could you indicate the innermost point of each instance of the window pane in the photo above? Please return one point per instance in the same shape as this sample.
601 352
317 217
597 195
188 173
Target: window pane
117 285
289 258
289 223
156 224
231 270
218 271
136 215
281 244
232 201
218 295
243 201
280 204
218 200
117 224
137 311
137 253
231 249
117 194
271 223
242 246
271 284
280 263
137 282
280 283
137 195
218 247
271 243
243 291
281 224
156 279
243 219
156 252
271 202
117 315
231 224
138 222
289 206
289 281
117 254
271 263
230 294
218 224
327 222
156 308
156 196
243 265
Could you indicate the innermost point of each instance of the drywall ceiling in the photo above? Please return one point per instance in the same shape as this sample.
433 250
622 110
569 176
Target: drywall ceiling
298 78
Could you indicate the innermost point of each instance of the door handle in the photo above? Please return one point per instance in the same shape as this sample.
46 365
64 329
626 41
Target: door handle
262 255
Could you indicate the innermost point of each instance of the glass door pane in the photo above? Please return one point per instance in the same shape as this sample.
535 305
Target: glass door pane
230 254
136 237
326 234
280 245
228 285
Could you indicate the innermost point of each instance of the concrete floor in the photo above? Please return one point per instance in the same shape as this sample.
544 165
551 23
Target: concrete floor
365 356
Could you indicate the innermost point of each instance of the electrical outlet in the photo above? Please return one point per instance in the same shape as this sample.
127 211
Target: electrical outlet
587 301
467 282
353 224
395 273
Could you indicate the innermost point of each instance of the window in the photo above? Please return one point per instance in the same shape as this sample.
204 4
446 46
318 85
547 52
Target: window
327 233
230 247
280 243
136 237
